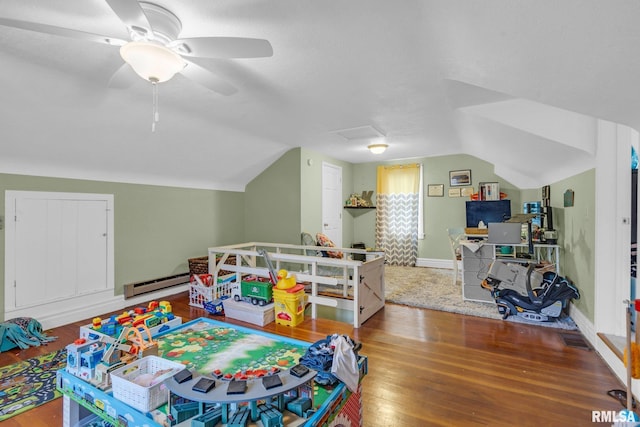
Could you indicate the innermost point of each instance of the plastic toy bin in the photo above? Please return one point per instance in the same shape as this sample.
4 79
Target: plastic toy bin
140 397
289 306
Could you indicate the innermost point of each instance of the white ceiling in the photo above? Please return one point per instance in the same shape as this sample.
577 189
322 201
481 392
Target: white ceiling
504 80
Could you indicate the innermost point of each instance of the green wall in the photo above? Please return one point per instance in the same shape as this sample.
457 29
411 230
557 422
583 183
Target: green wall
575 225
441 213
576 236
311 187
156 228
272 202
364 221
285 199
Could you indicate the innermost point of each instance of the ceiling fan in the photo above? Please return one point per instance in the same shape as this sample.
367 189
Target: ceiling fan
154 50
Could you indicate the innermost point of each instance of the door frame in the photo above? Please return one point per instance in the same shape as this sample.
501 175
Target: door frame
339 201
50 309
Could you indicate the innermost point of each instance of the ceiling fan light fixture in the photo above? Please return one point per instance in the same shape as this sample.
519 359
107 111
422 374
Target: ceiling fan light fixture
151 61
377 148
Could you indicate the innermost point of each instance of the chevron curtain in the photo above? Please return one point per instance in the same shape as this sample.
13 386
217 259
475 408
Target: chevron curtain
397 213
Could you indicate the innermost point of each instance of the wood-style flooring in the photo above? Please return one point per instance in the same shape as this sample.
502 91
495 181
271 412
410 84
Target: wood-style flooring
431 368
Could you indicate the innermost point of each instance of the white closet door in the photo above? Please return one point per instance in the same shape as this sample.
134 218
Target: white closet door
61 247
92 246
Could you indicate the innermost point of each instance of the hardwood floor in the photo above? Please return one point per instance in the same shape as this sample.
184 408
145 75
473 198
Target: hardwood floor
431 368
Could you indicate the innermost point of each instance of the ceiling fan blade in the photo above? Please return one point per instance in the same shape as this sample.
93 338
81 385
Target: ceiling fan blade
123 78
131 13
59 31
223 47
207 79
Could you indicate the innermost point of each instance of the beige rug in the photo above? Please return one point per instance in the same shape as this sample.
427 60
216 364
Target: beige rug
434 289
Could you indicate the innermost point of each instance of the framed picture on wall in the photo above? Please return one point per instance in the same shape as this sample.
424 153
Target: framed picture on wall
460 178
466 191
568 198
454 192
435 190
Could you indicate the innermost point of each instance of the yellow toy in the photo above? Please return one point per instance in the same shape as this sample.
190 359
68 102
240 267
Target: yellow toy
285 280
96 323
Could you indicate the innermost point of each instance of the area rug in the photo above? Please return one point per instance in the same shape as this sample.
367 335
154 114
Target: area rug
30 383
433 288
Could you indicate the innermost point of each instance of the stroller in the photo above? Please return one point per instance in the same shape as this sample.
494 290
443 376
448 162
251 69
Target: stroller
521 291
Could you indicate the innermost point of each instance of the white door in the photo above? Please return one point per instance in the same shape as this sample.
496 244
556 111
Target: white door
58 247
332 202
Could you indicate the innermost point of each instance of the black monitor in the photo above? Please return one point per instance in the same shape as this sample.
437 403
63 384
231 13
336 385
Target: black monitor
487 211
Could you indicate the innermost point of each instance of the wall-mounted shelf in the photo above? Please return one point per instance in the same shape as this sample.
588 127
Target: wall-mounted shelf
359 207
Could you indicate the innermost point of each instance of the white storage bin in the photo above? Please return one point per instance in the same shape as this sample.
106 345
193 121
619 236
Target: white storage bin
248 312
143 398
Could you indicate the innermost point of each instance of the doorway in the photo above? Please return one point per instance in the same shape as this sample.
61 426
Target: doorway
58 248
332 202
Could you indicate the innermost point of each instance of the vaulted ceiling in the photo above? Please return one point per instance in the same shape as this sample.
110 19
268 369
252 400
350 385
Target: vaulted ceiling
507 81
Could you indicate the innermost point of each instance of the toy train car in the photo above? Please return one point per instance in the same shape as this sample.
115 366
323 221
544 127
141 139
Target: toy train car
184 411
270 416
239 418
254 291
209 419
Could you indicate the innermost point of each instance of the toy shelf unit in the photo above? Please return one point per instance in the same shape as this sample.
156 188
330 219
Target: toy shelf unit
356 286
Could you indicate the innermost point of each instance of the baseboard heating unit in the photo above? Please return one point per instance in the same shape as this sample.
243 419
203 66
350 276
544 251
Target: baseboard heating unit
138 288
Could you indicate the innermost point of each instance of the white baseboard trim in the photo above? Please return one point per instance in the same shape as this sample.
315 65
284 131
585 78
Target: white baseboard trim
584 324
608 356
615 364
98 307
436 263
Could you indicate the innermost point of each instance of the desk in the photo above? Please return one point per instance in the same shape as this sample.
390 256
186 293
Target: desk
478 255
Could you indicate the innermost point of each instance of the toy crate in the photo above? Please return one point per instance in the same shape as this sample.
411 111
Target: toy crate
137 396
199 294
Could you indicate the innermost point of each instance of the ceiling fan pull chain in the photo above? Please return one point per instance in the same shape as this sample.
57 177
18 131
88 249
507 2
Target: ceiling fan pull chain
155 115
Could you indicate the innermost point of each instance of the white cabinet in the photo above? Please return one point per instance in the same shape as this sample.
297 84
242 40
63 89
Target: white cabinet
475 265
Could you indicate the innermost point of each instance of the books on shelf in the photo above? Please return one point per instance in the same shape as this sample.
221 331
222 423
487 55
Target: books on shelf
489 191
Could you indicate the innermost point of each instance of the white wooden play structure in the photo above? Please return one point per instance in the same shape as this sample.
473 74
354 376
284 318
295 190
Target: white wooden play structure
344 283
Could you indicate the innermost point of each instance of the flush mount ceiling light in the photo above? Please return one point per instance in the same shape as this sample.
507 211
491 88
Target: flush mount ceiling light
151 61
365 133
377 148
